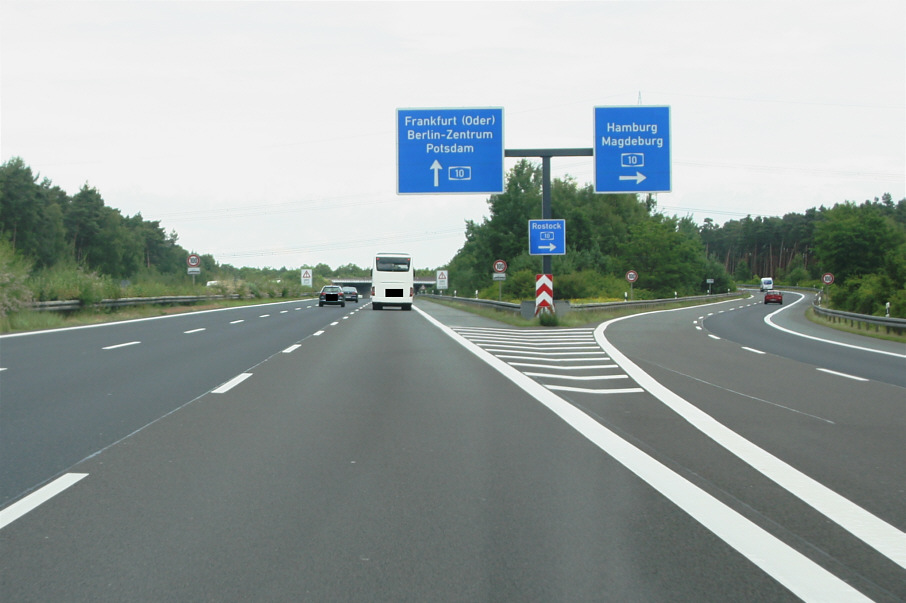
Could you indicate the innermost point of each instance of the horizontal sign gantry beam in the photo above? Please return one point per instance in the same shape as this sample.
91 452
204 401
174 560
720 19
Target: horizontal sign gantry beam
548 152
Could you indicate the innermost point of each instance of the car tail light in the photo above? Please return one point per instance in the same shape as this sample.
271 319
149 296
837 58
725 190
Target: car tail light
372 292
411 291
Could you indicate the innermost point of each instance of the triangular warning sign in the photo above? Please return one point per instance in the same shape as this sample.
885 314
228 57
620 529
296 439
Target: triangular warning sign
306 274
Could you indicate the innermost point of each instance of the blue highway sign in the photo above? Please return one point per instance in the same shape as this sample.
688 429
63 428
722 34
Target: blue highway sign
547 237
450 150
632 149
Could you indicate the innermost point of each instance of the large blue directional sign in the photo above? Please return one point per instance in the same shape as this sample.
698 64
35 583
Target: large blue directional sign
547 237
450 150
632 149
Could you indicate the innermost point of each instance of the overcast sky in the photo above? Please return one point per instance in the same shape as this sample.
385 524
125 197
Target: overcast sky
264 133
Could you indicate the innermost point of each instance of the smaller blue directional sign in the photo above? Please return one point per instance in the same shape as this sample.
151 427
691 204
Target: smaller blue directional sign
450 150
632 149
547 237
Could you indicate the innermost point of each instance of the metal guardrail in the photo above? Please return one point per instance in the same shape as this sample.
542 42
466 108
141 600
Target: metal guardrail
564 306
75 304
892 325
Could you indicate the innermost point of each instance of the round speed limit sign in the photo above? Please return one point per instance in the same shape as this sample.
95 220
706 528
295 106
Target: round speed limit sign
499 266
632 276
193 260
827 278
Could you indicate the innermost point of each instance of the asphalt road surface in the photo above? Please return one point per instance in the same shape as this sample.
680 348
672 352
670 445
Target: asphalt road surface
343 454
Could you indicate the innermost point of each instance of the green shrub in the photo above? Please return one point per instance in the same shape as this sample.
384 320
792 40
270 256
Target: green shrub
548 319
14 291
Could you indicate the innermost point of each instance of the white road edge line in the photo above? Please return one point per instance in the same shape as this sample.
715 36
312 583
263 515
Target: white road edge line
805 578
872 530
768 320
231 383
38 497
753 350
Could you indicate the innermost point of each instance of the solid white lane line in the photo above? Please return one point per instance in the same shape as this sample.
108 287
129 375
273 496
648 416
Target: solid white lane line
530 347
546 354
508 331
805 578
603 392
121 345
532 340
548 359
557 367
231 383
871 529
853 377
38 497
578 377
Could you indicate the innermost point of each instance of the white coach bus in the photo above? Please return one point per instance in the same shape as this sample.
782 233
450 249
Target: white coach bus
392 281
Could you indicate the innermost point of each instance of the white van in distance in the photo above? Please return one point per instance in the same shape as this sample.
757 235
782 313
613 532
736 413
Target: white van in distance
767 283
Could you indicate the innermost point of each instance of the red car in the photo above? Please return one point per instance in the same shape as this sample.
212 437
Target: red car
773 297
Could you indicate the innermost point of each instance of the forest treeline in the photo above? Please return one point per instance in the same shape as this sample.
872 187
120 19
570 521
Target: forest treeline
48 236
863 245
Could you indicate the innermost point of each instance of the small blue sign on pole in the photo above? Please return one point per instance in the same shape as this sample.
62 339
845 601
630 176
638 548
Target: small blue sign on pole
632 149
450 150
547 237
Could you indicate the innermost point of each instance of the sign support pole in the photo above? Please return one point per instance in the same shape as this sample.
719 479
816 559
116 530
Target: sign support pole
545 155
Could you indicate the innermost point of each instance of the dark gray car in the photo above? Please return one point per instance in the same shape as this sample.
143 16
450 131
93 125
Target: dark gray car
332 294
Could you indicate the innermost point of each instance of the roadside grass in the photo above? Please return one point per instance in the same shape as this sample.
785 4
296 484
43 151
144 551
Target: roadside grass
31 320
868 331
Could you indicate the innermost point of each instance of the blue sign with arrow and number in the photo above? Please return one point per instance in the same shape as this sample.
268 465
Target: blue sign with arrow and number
632 149
547 237
450 150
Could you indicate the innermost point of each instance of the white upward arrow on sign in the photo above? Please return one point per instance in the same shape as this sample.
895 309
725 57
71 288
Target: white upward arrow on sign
437 168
